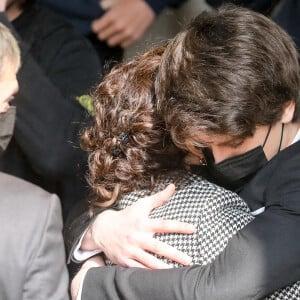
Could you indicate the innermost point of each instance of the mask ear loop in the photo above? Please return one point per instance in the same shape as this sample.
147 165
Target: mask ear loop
267 136
282 128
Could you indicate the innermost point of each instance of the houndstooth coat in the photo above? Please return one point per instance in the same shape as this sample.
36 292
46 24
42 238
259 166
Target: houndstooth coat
217 214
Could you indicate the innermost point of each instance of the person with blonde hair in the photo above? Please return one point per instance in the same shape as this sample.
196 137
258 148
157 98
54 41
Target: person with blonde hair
58 66
32 254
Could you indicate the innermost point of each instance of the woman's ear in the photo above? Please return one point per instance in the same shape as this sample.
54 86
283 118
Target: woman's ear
288 112
194 156
192 159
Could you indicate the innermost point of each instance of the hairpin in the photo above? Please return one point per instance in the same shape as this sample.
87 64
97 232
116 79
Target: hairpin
124 137
116 152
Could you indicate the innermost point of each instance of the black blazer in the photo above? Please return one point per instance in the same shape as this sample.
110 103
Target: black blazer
261 258
58 64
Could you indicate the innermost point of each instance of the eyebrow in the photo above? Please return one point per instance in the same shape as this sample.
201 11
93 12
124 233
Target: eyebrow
235 142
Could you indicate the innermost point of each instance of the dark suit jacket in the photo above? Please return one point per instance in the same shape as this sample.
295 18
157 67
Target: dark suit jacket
261 258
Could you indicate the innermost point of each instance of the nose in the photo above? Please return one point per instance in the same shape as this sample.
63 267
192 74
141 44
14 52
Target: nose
220 153
15 89
216 154
16 86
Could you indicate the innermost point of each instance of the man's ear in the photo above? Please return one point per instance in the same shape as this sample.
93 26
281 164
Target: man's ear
288 112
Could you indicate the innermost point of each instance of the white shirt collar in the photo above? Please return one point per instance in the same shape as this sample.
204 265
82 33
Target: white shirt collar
297 137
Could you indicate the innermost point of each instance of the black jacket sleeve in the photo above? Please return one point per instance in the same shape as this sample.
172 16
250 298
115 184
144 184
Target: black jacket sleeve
262 258
158 5
48 117
252 266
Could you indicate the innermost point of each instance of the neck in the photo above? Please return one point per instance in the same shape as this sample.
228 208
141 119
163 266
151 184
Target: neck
291 129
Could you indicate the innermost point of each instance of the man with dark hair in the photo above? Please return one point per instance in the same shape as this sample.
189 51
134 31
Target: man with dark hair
231 80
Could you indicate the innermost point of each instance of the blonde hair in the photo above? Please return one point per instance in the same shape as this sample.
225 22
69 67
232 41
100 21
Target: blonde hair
9 48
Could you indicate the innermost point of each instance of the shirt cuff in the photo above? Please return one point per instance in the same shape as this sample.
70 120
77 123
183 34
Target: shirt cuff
80 288
82 255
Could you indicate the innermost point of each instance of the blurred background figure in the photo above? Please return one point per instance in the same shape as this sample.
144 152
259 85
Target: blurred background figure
263 6
58 64
170 21
32 255
111 25
285 13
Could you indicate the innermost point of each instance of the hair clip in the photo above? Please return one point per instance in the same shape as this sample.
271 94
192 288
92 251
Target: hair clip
116 152
124 137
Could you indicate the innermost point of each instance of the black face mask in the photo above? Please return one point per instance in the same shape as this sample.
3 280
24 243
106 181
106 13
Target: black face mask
233 173
7 124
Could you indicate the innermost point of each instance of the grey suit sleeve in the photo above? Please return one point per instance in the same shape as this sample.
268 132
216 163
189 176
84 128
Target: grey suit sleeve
47 276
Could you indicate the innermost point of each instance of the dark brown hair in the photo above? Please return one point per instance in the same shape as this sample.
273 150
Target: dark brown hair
227 72
128 145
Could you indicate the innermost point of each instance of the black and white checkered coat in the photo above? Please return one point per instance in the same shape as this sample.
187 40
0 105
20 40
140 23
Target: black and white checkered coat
217 214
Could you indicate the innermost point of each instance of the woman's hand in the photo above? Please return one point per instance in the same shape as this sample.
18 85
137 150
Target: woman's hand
126 236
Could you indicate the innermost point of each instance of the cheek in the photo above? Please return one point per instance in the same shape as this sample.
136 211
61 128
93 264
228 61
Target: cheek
3 107
5 95
3 101
218 156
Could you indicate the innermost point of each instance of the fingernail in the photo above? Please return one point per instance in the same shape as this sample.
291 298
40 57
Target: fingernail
187 260
191 227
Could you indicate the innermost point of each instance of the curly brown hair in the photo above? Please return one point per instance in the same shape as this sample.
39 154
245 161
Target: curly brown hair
128 144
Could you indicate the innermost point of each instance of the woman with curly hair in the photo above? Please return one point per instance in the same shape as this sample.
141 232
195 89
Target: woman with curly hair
131 154
129 157
228 84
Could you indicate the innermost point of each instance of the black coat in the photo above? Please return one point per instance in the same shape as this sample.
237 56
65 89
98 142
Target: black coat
259 259
58 64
